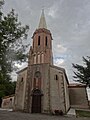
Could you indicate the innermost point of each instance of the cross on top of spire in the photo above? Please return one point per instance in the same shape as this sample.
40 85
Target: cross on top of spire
42 23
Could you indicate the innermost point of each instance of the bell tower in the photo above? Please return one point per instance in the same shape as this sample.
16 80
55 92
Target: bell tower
40 58
41 49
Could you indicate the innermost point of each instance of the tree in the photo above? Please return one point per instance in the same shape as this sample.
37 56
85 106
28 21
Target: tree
12 48
82 73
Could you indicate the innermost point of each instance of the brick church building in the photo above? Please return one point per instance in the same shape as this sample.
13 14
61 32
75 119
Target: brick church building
41 86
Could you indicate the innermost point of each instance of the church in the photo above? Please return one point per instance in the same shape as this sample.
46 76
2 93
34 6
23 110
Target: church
41 86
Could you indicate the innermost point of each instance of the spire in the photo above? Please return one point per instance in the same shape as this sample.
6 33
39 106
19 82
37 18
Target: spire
42 23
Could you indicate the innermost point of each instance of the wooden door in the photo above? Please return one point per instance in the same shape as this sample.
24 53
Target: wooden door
36 104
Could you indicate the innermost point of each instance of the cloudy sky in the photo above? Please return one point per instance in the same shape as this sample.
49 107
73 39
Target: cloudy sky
68 21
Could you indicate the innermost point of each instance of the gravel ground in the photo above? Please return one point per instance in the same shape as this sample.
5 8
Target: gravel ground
6 115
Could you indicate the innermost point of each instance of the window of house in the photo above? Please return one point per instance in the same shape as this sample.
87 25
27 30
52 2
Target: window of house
46 41
22 79
56 77
38 40
10 99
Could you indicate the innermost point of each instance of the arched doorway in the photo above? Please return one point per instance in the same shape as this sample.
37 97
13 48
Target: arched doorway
36 101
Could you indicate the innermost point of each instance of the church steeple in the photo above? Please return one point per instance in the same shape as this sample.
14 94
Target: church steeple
42 23
41 50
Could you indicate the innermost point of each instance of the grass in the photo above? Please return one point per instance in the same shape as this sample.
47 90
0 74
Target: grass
82 113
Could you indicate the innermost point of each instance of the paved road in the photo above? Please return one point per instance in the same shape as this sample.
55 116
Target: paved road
6 115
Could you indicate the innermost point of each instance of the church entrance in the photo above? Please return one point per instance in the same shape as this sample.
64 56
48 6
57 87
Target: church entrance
36 101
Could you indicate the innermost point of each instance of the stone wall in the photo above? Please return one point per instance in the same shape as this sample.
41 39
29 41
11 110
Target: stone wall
78 96
20 90
66 91
8 102
58 91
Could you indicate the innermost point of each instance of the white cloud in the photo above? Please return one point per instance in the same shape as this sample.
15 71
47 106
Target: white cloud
51 13
53 10
14 76
58 61
61 49
17 65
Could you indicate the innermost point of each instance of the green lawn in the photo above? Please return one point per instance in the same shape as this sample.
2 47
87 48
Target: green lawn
82 113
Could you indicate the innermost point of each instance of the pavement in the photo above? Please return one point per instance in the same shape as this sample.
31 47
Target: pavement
71 112
8 115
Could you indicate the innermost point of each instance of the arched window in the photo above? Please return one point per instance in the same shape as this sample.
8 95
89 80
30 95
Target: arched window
38 40
46 41
34 59
38 58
